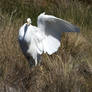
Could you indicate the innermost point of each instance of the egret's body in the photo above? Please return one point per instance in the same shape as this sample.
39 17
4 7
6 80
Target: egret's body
45 38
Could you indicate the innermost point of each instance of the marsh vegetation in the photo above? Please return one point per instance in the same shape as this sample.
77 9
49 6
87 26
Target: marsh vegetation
68 70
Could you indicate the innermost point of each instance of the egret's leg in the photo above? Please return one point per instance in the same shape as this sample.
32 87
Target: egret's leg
32 62
39 59
35 62
39 62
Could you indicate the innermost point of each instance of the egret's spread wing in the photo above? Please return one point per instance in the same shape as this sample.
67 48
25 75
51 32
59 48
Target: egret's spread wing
52 27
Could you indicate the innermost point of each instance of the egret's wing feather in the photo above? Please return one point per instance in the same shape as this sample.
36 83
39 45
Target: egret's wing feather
52 27
51 45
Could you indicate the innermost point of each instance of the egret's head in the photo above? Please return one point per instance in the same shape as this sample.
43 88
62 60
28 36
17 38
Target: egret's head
28 21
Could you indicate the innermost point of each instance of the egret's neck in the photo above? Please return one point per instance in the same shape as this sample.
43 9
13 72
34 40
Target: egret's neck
28 24
25 30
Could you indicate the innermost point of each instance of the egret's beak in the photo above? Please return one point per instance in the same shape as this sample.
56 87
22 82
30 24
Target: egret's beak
28 21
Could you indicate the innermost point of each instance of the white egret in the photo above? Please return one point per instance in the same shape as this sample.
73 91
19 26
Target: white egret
45 38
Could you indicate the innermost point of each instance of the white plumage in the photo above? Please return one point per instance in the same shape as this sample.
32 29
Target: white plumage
45 38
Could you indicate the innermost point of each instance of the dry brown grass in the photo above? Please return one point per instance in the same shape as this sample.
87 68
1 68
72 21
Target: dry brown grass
68 70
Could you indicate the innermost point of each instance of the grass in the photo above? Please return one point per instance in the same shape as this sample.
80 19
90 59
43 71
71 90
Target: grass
68 70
